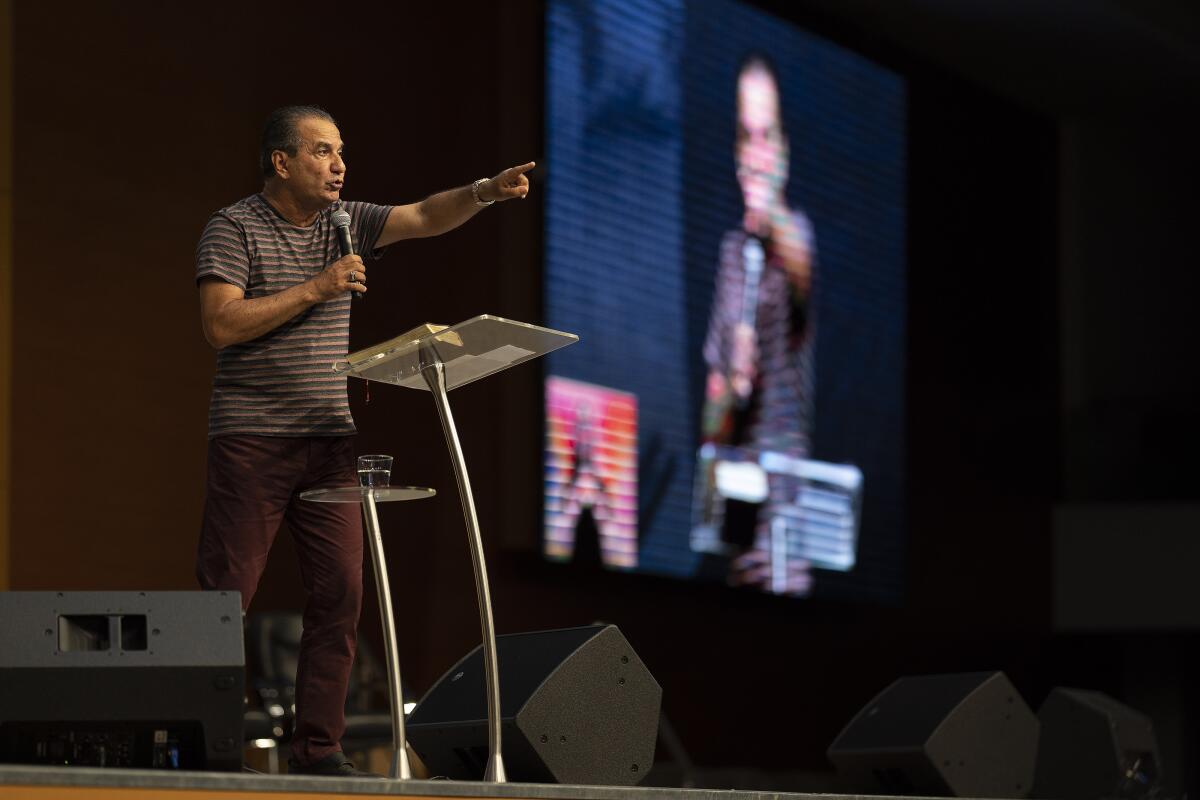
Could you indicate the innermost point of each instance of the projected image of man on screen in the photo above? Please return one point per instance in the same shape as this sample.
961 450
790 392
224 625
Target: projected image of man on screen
759 345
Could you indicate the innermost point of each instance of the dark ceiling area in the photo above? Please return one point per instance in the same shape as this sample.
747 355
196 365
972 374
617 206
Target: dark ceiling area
1093 58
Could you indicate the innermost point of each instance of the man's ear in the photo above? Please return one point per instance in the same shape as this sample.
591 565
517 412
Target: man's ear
279 160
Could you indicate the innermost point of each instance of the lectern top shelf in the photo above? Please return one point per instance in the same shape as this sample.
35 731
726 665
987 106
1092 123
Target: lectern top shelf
470 350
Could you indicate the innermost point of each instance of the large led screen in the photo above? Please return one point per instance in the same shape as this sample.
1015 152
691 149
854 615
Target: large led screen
725 230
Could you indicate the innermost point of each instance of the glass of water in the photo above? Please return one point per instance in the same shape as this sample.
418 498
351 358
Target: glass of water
374 470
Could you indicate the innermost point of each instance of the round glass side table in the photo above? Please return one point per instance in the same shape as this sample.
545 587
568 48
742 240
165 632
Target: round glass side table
368 496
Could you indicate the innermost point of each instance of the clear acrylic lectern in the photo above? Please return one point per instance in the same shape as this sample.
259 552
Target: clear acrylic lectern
440 358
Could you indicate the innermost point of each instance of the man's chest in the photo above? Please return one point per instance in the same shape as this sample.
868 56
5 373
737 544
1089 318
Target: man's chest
277 262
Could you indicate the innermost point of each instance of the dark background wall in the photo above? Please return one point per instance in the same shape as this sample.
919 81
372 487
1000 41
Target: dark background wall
1048 360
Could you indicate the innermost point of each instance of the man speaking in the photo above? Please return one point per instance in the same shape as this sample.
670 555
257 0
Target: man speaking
275 299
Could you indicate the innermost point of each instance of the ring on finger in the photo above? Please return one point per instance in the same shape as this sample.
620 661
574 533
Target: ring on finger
353 277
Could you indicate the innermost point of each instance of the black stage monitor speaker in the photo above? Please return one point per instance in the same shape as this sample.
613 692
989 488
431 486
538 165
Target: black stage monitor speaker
965 735
1093 747
577 706
122 679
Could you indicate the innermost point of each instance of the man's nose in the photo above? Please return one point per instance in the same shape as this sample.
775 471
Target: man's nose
338 165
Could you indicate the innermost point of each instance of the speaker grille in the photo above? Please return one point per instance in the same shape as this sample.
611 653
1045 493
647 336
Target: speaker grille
967 734
577 706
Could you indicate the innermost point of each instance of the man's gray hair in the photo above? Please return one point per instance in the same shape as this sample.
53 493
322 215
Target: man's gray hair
282 133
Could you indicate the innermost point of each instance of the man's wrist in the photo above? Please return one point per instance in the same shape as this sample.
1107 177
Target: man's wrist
475 187
311 294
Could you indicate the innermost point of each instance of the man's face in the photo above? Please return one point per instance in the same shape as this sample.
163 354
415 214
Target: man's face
316 173
761 151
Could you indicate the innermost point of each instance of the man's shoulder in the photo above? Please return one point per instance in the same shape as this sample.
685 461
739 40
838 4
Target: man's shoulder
356 208
251 207
249 219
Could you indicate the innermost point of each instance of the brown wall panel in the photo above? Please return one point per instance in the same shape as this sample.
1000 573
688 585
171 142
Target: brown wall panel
6 197
134 123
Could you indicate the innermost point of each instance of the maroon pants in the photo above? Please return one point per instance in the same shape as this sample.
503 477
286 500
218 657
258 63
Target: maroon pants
254 484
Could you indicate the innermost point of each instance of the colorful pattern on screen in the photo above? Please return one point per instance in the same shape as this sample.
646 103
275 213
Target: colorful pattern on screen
591 474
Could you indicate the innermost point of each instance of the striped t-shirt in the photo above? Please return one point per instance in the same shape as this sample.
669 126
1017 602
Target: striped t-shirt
282 383
781 408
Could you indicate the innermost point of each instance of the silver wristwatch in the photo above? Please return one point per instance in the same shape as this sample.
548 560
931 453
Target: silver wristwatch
475 193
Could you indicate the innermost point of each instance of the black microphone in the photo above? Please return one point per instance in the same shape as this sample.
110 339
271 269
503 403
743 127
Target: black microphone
341 224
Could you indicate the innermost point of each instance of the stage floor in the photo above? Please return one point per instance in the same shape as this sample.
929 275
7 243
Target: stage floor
19 782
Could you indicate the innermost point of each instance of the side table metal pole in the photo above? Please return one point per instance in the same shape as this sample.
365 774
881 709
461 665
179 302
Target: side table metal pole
400 766
434 372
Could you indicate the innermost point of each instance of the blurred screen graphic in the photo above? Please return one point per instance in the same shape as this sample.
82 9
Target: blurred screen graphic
725 230
591 474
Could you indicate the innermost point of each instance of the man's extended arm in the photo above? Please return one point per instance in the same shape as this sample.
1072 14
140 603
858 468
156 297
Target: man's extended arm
447 210
229 317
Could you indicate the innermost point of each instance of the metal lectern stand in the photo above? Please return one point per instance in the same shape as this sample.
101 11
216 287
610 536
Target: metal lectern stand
439 359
